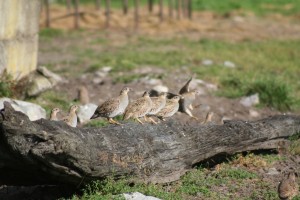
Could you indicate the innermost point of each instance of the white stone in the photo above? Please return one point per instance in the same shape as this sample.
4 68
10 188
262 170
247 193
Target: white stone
207 62
33 111
250 100
161 88
138 196
272 171
253 113
85 112
38 85
229 64
53 78
106 69
211 86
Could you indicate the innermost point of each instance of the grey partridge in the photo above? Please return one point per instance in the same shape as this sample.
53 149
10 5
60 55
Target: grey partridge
53 114
71 119
139 108
171 107
288 187
113 107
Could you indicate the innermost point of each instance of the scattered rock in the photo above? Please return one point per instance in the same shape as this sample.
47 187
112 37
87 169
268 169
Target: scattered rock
42 80
148 70
238 19
207 62
138 196
53 78
272 171
211 87
150 81
250 100
229 64
253 113
98 80
33 111
100 74
161 88
85 112
106 69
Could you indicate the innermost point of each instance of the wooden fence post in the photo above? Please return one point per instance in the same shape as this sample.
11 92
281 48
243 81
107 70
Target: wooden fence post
171 5
107 13
161 11
178 9
150 5
190 9
98 5
47 13
76 14
68 3
136 14
125 7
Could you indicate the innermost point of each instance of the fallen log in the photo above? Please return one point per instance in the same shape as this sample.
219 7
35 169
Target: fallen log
50 152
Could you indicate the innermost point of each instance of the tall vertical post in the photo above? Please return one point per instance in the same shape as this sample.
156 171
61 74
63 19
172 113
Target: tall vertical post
19 36
161 10
190 9
178 9
107 13
184 8
98 5
171 5
136 14
47 13
150 6
68 3
76 14
125 7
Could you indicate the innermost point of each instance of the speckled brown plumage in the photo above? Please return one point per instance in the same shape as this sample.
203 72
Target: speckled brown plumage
288 187
113 107
170 108
71 119
139 108
53 114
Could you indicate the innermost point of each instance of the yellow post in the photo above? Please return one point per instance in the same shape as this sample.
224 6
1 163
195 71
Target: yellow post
19 26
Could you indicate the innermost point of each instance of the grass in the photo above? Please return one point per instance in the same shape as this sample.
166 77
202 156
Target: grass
50 99
7 85
224 182
259 7
269 68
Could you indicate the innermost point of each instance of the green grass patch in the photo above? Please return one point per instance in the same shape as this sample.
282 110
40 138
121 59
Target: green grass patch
50 99
7 86
272 92
286 7
96 123
50 33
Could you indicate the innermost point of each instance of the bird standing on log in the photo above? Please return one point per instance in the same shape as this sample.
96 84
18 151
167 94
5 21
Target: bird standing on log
71 119
113 107
139 108
171 107
53 114
158 103
288 187
188 98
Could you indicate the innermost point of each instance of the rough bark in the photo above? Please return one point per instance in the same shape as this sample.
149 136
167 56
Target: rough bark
46 151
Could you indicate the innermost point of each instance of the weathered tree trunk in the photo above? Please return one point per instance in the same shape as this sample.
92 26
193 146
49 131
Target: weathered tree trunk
52 152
